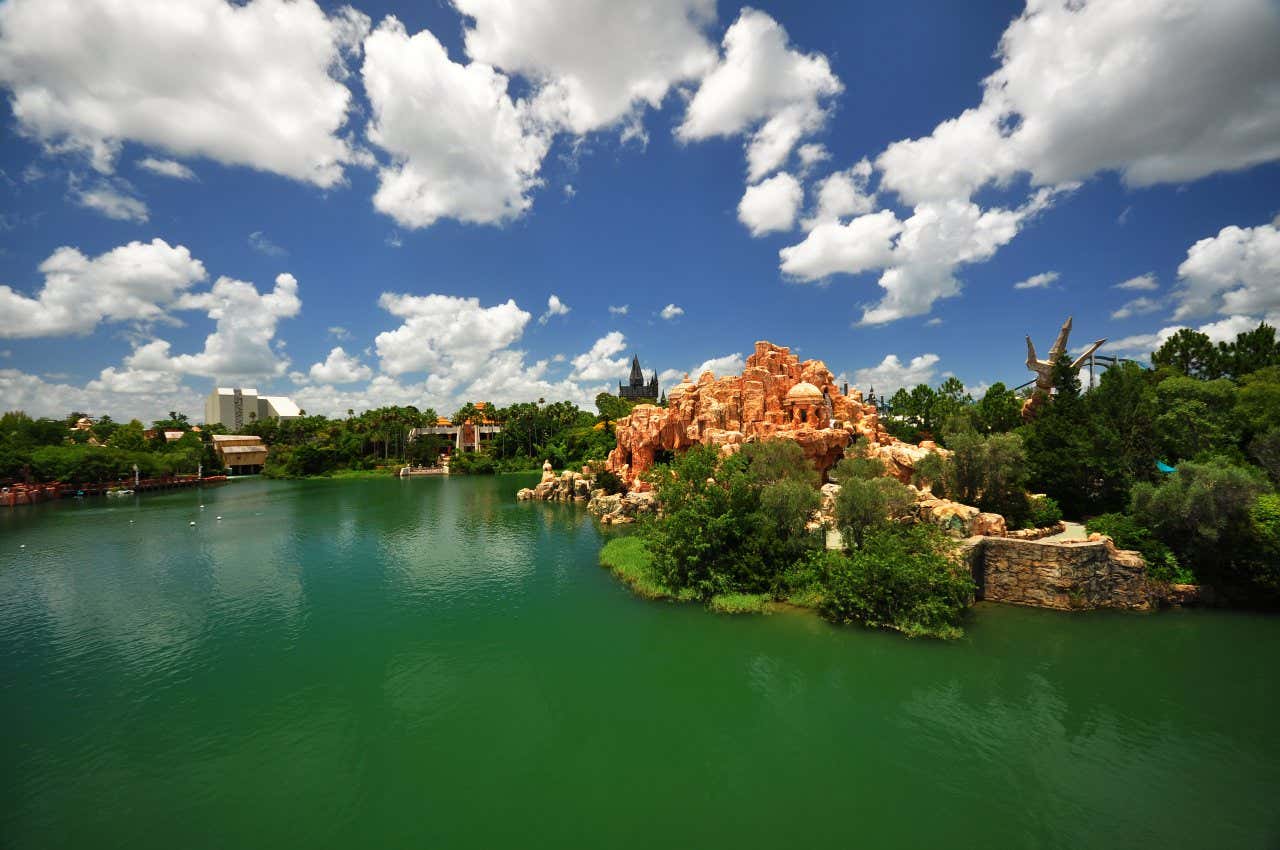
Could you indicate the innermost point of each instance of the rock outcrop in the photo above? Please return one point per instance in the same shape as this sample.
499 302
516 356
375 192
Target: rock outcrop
776 396
568 486
621 508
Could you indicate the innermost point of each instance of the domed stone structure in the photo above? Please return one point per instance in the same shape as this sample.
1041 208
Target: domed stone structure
805 403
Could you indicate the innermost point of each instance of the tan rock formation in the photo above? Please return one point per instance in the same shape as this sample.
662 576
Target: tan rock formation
776 395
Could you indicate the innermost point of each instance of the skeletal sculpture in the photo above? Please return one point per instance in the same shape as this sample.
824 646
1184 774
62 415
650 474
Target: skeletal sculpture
1044 368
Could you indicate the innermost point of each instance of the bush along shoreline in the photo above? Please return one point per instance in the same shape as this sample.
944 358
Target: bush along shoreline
734 534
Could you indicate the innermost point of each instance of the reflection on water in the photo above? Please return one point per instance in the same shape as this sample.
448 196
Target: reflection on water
389 662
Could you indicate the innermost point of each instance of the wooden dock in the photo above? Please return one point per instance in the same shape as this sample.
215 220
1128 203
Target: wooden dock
30 494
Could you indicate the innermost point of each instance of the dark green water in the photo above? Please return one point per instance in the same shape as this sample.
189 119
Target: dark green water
428 663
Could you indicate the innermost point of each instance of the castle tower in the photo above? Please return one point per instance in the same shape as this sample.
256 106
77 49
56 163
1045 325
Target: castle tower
637 389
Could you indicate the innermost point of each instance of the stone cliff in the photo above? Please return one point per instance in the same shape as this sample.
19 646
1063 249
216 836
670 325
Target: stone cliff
776 396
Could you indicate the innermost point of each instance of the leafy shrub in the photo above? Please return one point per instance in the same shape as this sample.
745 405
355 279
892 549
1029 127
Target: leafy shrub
731 525
472 463
900 579
1202 513
931 473
863 506
609 482
858 468
1044 511
1127 533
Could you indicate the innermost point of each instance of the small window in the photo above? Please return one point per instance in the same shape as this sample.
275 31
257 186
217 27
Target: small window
804 416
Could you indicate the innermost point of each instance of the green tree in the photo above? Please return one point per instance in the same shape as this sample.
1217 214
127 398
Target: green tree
1057 444
999 410
1195 417
864 506
1189 352
1249 352
907 580
1122 412
1202 513
1258 401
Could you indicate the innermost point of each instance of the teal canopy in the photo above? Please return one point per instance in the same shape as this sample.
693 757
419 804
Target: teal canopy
1164 467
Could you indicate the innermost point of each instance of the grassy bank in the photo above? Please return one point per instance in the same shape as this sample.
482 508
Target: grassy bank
630 561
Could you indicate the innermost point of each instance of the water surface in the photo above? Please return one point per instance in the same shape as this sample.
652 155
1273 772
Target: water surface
383 663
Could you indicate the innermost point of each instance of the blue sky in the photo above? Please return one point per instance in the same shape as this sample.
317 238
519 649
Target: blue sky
394 193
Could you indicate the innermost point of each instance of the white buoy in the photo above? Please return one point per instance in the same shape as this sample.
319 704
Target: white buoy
219 519
22 545
202 507
193 522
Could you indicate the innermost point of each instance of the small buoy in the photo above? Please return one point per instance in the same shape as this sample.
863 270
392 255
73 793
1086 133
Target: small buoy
22 545
202 507
193 522
219 518
130 522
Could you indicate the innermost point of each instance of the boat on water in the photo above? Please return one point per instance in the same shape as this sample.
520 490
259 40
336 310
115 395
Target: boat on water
120 492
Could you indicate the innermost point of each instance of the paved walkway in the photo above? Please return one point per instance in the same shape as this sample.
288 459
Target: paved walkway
1074 531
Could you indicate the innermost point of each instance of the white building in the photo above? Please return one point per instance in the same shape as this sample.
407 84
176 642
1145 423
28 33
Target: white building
236 407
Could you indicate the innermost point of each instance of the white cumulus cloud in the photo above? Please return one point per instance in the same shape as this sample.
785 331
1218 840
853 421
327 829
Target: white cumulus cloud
891 374
112 200
671 311
555 307
1142 283
166 168
339 368
134 282
594 63
1158 91
599 363
1038 281
256 84
1237 271
771 204
764 87
460 147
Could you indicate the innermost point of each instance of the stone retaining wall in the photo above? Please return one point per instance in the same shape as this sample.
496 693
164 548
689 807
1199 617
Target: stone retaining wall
1061 575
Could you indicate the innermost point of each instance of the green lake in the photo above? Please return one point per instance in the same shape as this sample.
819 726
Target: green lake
428 663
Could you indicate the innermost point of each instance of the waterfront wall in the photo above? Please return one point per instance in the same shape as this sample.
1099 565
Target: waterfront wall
1066 576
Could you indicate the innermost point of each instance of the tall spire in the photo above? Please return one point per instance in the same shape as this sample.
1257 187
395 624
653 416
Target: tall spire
637 374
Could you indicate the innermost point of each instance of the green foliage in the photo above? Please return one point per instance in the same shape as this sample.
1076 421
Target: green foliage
740 603
864 506
1249 352
1043 511
1000 410
1195 417
932 472
1265 450
730 525
1258 402
907 580
609 482
629 559
1058 445
1189 352
1121 442
1265 515
858 468
1127 533
612 408
771 461
989 472
472 463
1203 513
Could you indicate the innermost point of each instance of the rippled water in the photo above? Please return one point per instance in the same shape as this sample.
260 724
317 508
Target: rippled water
428 663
